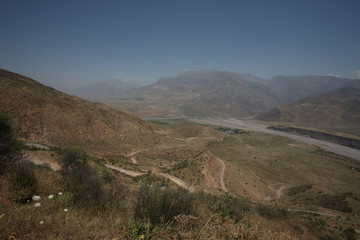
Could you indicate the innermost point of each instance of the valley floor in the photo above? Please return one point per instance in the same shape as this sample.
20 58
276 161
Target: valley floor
250 126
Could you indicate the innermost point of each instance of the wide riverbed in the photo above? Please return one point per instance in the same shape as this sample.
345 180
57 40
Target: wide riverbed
250 126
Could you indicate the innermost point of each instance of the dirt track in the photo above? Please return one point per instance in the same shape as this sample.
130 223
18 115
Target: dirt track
235 123
279 192
55 166
132 156
124 171
221 171
316 212
176 180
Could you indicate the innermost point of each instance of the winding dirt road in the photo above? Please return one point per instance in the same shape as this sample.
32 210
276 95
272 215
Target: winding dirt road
124 171
174 179
177 181
235 123
316 212
132 156
221 171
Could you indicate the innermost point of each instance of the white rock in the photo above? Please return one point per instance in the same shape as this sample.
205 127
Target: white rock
37 204
51 196
60 193
36 198
41 222
65 209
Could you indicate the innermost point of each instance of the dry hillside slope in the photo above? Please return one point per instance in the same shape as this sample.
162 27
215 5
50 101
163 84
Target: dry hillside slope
43 114
338 110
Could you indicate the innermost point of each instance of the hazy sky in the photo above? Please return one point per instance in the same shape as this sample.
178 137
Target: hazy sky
69 43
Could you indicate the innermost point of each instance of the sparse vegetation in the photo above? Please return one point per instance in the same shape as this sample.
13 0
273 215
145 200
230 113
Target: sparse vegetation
102 203
24 180
350 233
272 212
72 157
232 130
298 189
230 207
160 205
86 186
9 146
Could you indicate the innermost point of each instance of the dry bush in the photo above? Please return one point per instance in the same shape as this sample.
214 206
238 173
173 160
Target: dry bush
72 157
160 206
86 186
229 207
24 181
273 212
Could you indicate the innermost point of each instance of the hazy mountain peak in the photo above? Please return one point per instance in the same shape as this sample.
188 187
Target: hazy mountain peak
111 88
211 75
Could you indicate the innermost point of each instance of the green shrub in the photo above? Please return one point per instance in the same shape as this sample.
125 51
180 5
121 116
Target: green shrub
9 146
336 202
160 206
350 233
328 237
230 207
316 225
298 189
142 231
72 157
272 212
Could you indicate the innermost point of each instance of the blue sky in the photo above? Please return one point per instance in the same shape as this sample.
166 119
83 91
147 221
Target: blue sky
69 43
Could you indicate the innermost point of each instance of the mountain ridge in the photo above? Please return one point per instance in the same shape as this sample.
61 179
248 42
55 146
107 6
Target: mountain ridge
334 109
211 91
105 89
293 88
43 114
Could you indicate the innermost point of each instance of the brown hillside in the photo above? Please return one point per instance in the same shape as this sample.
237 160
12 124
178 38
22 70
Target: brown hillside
336 110
43 114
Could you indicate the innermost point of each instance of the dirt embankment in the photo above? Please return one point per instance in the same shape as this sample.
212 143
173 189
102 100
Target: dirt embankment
349 142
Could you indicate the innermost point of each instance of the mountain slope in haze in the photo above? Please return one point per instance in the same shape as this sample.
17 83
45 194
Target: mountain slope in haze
102 90
293 88
210 92
337 109
43 114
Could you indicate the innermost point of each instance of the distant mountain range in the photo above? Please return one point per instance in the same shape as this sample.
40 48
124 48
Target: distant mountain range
222 93
332 110
45 115
102 90
209 93
292 88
